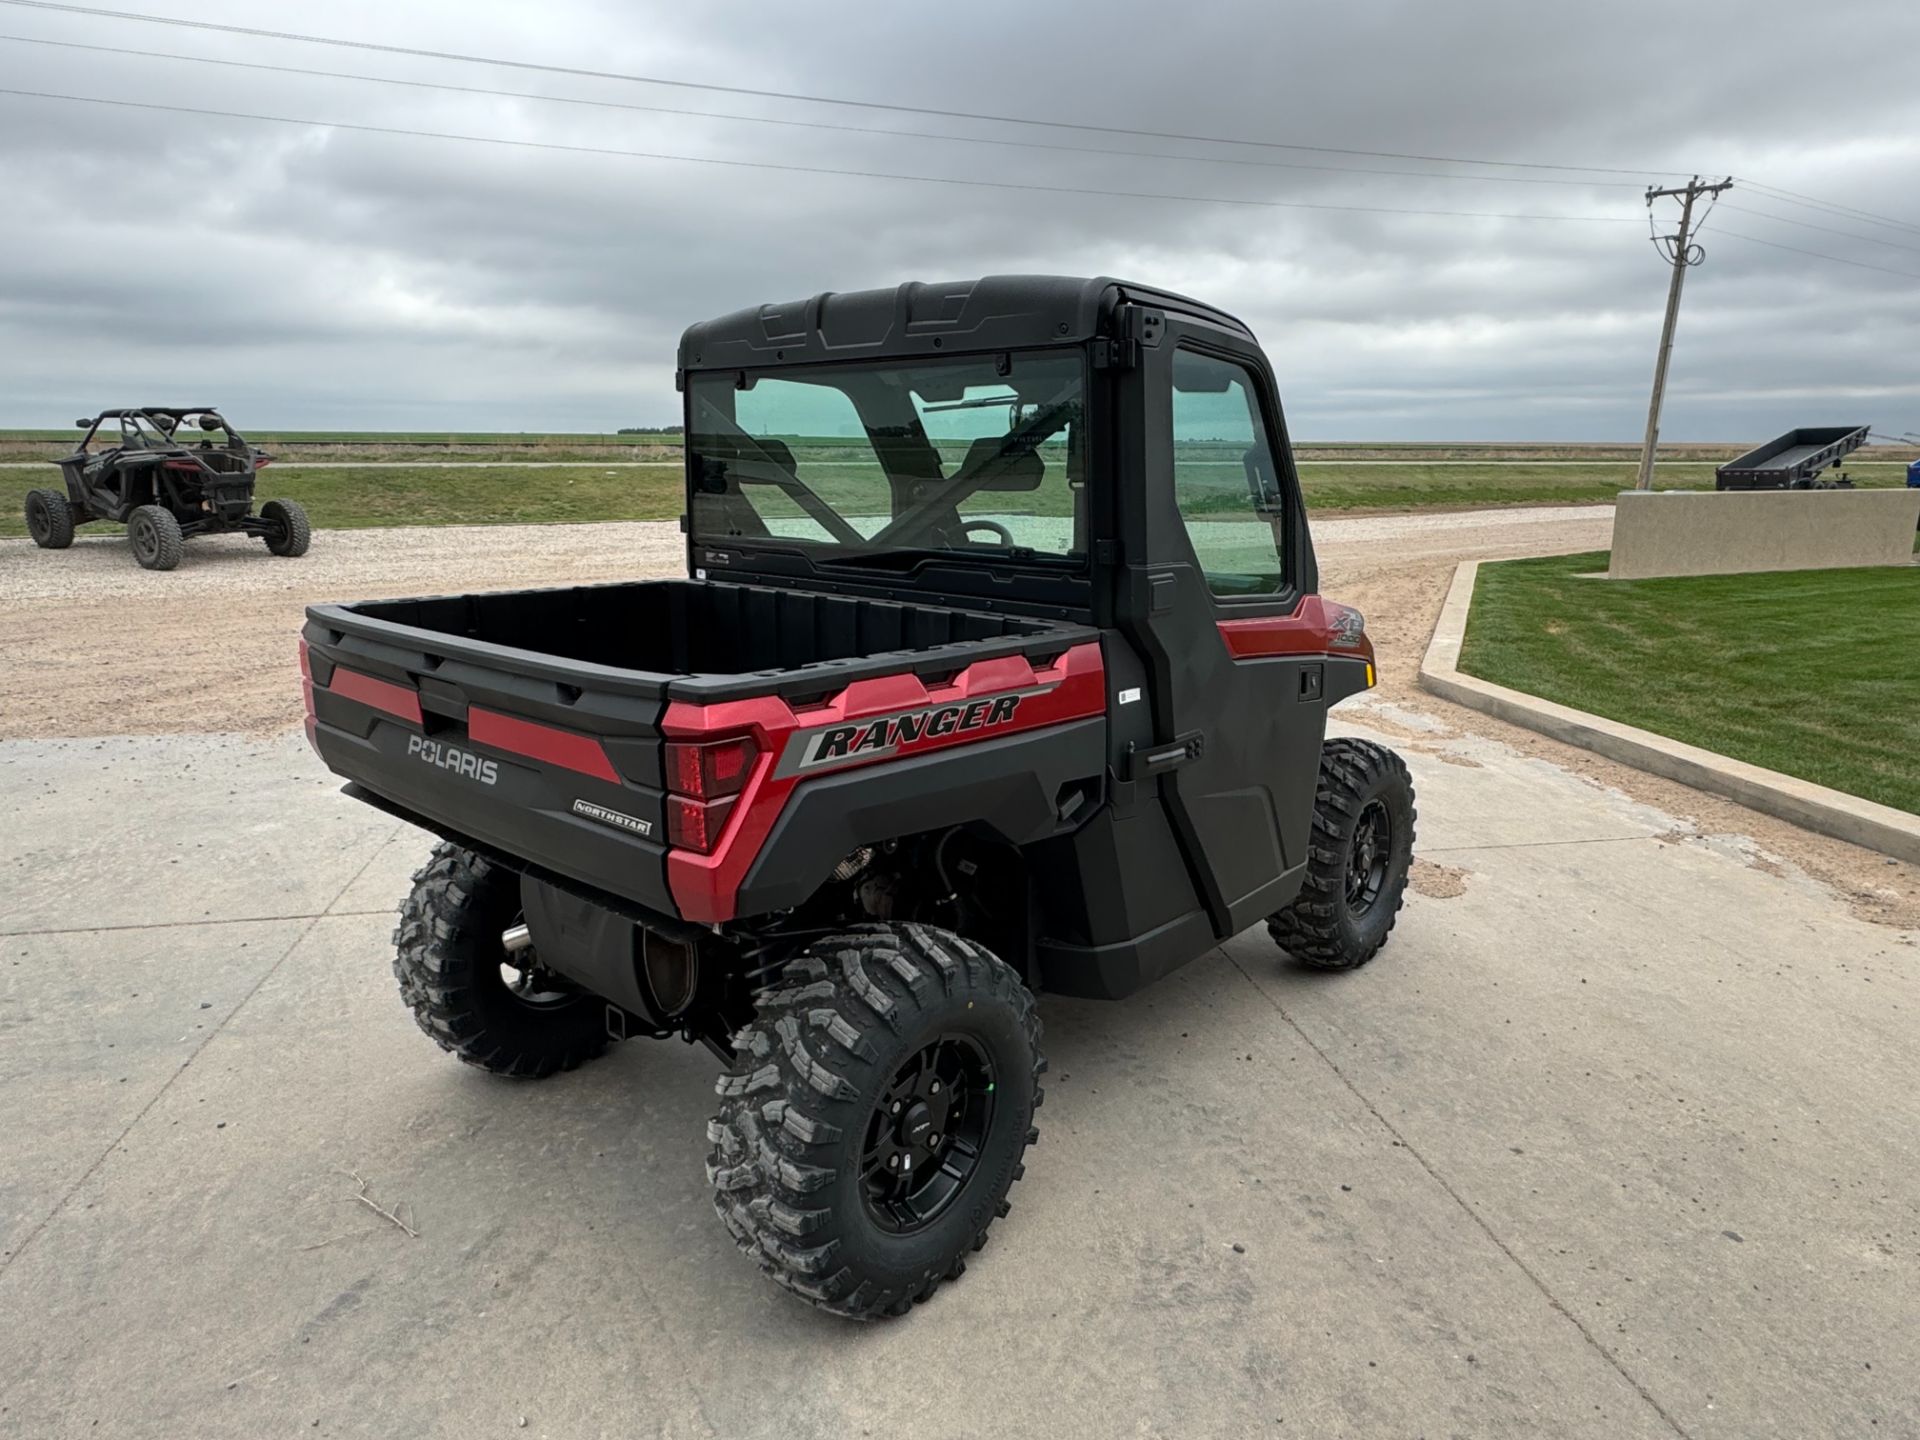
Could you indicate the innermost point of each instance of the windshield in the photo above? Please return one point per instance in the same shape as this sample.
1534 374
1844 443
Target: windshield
973 456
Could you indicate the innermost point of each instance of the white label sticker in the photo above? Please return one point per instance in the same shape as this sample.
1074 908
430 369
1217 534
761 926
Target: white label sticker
1127 697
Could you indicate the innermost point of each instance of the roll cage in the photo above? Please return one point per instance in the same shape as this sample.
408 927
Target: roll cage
167 421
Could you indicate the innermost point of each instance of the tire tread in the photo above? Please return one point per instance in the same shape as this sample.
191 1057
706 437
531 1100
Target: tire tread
435 969
805 1061
1309 929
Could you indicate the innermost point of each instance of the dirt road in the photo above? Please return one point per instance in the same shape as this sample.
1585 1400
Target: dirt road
92 645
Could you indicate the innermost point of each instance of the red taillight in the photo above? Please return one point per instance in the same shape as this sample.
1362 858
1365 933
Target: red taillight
704 780
697 825
712 770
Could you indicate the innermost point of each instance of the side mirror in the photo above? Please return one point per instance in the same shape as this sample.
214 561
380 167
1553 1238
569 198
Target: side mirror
83 424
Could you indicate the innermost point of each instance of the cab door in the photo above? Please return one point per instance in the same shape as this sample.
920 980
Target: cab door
1216 594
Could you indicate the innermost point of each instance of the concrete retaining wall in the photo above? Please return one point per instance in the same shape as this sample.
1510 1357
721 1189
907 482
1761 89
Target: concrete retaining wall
1691 532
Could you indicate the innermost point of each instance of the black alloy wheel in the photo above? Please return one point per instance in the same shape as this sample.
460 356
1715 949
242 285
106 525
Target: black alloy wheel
1368 860
923 1142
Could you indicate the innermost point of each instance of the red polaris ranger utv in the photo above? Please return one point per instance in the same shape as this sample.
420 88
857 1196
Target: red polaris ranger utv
1000 669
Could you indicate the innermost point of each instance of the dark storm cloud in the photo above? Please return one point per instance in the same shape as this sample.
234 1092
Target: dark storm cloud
310 275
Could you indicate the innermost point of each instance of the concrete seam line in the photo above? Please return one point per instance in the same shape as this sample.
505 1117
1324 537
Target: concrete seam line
26 1241
1534 844
191 924
1593 1341
1785 797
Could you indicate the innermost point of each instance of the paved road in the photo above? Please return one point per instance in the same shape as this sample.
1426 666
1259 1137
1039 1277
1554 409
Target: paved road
1617 1141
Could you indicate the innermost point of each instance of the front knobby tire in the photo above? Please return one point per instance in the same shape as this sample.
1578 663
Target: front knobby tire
1359 856
876 1116
49 519
155 536
474 999
289 532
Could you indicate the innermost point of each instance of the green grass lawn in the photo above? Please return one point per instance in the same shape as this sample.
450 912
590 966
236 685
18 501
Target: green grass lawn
351 497
1814 673
429 494
432 495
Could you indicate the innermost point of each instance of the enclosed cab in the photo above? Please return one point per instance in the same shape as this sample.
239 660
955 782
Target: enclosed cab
999 667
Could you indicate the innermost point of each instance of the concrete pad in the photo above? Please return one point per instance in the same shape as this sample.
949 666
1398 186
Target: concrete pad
388 875
569 1268
1679 1093
1487 1186
92 1025
152 830
1482 794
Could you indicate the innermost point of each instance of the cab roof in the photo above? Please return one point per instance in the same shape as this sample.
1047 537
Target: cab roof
996 312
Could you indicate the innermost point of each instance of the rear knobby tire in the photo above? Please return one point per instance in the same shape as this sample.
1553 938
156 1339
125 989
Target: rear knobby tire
49 519
448 957
290 534
155 536
807 1107
1346 909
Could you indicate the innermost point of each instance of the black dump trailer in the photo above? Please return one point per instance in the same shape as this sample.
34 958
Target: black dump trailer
1792 461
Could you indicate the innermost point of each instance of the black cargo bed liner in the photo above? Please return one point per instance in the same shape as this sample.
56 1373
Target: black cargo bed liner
701 640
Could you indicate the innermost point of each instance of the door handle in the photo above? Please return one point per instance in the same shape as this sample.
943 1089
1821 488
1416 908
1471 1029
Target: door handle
1144 764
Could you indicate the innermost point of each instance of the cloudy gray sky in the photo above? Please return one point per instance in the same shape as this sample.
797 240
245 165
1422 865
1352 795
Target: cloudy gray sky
310 275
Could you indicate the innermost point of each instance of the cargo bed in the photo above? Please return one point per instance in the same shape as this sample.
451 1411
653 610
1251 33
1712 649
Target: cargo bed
534 724
1791 460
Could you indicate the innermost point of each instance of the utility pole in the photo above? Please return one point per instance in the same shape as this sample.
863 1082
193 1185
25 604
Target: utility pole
1682 255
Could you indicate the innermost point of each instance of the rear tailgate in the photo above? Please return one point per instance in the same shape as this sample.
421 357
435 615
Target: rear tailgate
554 761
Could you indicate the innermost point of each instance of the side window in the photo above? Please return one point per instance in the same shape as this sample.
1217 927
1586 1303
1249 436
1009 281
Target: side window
1225 482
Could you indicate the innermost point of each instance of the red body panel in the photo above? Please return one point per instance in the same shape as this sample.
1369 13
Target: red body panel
705 887
1316 627
565 748
396 700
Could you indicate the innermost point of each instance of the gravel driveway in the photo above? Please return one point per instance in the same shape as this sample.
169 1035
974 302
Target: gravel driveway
92 645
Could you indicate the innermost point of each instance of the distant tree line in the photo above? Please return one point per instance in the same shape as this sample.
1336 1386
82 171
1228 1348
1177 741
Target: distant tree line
649 430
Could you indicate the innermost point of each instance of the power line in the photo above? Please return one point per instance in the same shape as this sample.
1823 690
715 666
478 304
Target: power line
1815 202
1828 229
805 169
1819 255
1767 192
1803 202
765 94
811 124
